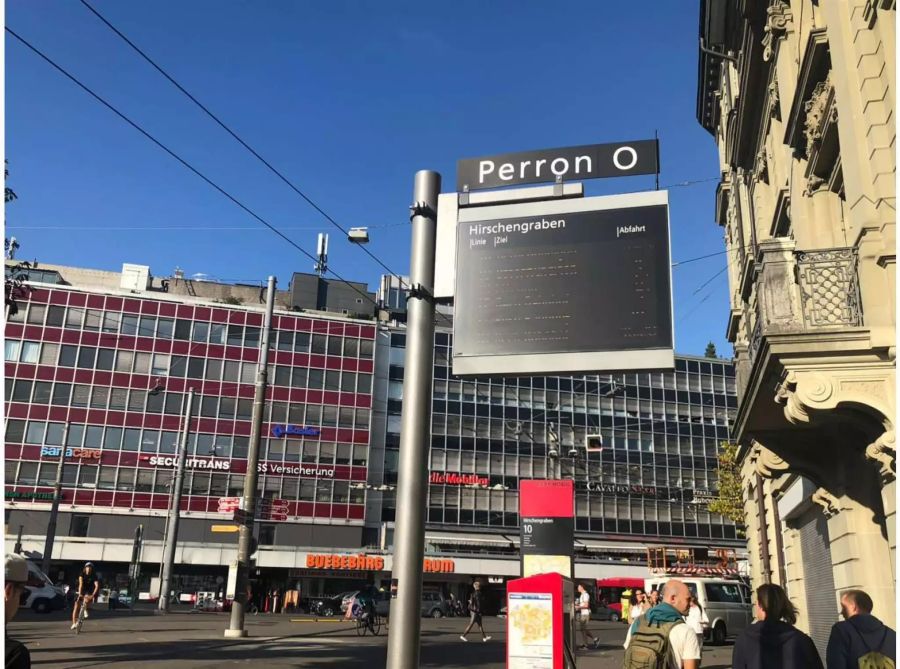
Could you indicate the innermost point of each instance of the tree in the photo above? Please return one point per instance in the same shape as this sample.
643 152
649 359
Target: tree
730 502
8 193
710 351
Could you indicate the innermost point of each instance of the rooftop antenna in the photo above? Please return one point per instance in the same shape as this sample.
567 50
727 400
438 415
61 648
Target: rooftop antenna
321 265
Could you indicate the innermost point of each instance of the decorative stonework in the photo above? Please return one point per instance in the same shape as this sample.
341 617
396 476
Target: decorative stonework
816 108
829 503
778 21
884 452
766 463
799 398
828 288
813 185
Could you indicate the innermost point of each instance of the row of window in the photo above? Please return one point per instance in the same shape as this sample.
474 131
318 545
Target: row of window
114 322
191 367
165 442
130 479
207 406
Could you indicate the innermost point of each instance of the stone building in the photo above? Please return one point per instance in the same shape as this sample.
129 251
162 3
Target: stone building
800 98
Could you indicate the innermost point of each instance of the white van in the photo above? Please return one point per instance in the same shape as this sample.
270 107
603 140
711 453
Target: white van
40 594
726 603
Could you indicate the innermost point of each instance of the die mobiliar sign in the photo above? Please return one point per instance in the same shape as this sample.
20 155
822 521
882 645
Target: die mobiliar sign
592 161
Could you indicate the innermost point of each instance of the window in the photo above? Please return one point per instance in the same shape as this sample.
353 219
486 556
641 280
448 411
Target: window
131 440
118 398
217 333
113 438
93 319
111 321
11 350
79 526
147 327
160 365
42 392
36 313
142 363
235 335
28 473
106 359
74 317
165 328
81 395
182 329
366 348
87 476
31 351
129 324
56 316
87 357
723 592
35 432
54 436
47 474
124 361
61 394
21 391
266 534
49 354
201 332
319 344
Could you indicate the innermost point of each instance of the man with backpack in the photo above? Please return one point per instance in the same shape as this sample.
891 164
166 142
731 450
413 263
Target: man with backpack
660 639
861 641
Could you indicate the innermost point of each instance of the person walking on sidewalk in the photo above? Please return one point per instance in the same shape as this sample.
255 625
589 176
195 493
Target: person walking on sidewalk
861 640
660 637
475 607
773 641
584 617
15 577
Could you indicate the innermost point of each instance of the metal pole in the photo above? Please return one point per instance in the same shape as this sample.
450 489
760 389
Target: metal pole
239 605
415 424
18 547
171 538
134 570
54 509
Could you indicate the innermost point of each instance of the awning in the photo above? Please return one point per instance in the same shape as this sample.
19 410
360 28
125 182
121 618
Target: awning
467 539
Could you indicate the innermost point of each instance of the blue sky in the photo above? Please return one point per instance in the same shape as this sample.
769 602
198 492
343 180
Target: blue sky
349 100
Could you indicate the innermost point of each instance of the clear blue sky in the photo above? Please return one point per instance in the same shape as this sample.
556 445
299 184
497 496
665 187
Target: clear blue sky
349 100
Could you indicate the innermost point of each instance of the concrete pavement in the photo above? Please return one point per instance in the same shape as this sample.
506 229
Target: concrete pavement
182 640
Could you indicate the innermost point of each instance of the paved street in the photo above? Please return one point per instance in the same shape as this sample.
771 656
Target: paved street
194 640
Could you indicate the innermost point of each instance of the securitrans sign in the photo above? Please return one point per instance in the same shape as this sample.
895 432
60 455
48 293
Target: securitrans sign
572 163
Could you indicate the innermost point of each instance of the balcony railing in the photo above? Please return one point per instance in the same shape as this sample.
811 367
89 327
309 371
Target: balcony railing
829 288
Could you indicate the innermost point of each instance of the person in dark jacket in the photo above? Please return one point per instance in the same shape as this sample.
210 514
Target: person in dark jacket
860 633
15 578
773 642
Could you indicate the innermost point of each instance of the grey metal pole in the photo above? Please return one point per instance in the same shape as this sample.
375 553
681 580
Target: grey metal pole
18 547
415 424
54 509
171 538
239 605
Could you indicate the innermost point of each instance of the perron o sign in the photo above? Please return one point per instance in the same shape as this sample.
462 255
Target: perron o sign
593 161
562 286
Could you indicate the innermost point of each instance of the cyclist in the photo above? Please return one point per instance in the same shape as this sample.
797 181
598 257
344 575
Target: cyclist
364 606
88 587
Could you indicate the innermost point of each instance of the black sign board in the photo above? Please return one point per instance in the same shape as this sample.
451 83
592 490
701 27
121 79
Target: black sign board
572 163
563 283
547 536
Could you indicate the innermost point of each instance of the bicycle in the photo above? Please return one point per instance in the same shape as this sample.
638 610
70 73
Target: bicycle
371 623
79 621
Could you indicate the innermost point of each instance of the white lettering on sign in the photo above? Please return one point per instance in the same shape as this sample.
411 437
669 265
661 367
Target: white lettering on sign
629 229
524 227
619 152
558 167
190 463
294 470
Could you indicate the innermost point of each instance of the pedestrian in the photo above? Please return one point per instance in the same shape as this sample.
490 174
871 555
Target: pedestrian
654 597
639 605
475 609
584 617
625 603
773 642
15 577
695 618
660 637
861 639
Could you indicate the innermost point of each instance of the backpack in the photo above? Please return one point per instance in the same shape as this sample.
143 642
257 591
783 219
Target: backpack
649 647
873 659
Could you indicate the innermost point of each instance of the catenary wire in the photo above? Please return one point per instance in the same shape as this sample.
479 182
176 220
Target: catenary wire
235 136
181 160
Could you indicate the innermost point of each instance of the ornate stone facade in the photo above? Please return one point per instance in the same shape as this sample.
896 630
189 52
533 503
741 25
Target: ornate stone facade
804 116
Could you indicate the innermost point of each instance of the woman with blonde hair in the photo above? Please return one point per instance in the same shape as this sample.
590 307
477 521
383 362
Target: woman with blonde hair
773 642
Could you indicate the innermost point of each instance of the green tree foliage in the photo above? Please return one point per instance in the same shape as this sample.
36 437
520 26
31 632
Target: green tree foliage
710 351
730 502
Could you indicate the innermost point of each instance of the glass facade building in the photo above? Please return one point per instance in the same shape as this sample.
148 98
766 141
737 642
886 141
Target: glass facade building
651 481
117 369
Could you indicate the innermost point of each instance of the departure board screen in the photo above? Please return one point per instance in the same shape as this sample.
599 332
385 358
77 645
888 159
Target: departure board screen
582 281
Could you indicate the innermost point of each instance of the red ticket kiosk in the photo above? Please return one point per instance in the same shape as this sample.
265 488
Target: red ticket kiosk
540 617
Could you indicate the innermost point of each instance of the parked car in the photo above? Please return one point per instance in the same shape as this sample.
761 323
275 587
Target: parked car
326 606
726 603
433 605
40 594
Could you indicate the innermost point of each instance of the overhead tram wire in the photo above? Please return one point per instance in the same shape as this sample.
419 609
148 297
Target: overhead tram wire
235 136
181 160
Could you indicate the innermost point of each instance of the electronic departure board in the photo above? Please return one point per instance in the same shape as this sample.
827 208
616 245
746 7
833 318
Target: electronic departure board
582 285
